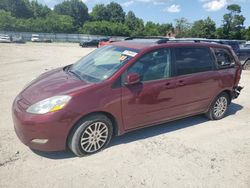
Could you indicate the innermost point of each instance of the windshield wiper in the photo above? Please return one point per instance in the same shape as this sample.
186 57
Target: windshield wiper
75 74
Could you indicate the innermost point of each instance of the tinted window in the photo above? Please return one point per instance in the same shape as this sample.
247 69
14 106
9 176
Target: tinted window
153 66
224 58
192 60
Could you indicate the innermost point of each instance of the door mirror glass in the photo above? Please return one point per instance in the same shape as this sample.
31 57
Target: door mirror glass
132 78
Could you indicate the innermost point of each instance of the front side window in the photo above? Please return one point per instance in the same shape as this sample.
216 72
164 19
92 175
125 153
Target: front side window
102 63
223 58
192 60
153 66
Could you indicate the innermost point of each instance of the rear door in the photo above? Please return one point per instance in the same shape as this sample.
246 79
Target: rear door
197 80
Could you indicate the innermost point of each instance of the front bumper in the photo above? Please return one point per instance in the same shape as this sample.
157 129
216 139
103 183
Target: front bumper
46 132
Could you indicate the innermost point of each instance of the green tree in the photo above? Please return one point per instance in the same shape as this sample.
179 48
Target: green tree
164 29
233 22
151 29
182 27
247 34
105 28
135 25
100 13
116 12
39 10
4 4
18 8
52 23
7 22
74 8
203 28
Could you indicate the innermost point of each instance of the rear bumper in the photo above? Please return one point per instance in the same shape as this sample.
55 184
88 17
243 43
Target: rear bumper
236 92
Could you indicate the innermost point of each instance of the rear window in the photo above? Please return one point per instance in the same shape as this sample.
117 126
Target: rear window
224 59
192 60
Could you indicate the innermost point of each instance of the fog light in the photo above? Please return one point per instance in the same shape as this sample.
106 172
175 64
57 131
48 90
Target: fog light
40 141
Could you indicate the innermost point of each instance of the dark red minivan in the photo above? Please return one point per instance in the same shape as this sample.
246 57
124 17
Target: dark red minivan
122 87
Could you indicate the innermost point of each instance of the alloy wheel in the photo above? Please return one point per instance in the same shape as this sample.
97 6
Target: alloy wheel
94 137
220 106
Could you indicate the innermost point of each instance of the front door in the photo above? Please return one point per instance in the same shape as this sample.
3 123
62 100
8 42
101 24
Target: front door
150 101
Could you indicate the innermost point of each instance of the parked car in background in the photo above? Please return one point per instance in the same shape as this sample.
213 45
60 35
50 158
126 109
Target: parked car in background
5 39
247 45
89 43
105 42
36 38
18 39
122 87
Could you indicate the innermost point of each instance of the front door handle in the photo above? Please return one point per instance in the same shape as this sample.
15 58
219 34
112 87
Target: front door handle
168 85
181 83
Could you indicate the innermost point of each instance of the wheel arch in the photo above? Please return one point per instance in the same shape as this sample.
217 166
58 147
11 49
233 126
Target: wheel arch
248 59
107 114
227 91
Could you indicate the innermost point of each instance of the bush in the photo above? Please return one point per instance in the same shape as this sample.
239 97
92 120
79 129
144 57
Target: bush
52 23
105 28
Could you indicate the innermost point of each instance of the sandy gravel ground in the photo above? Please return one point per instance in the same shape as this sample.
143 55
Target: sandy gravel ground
192 152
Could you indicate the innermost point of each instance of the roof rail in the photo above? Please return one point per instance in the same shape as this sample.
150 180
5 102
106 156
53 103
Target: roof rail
159 40
141 37
197 40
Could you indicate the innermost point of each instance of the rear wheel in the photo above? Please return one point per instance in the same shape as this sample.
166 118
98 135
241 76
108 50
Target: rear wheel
247 65
219 107
90 135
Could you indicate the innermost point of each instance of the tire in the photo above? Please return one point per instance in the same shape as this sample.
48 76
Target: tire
219 107
90 135
246 66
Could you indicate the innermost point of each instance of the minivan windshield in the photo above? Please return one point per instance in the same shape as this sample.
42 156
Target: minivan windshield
102 63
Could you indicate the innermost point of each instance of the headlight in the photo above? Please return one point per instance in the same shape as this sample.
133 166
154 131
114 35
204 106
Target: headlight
51 104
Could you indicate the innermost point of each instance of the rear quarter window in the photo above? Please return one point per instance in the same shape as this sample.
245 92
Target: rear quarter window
190 60
224 58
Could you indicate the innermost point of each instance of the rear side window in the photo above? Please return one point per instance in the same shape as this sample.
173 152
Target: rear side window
192 60
224 58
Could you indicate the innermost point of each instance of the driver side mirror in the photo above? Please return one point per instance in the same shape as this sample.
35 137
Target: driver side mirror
132 78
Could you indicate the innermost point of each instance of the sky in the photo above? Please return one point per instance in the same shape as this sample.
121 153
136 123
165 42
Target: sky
166 11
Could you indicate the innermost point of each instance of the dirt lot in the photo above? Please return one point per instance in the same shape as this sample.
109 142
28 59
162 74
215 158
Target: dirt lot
192 152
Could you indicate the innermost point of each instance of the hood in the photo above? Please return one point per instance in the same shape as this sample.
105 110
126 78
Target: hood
52 83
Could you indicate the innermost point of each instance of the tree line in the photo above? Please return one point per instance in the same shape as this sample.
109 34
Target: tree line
72 16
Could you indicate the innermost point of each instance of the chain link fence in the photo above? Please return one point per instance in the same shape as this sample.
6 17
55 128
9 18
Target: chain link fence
56 37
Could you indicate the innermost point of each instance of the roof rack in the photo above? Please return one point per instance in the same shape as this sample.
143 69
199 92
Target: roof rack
197 40
159 40
141 37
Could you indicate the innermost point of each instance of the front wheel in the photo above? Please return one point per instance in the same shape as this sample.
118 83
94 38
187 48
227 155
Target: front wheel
90 135
219 107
